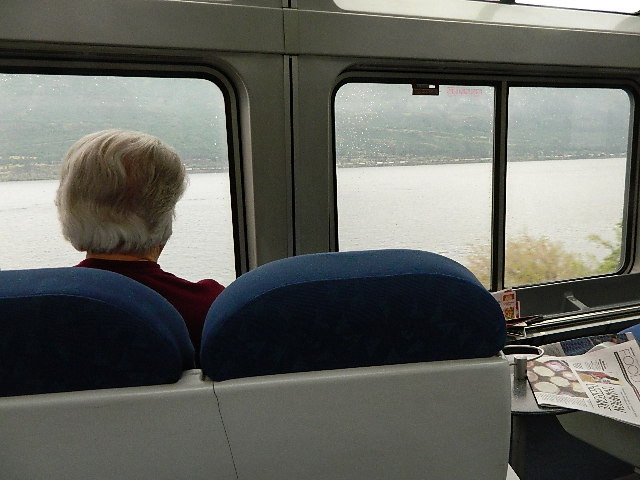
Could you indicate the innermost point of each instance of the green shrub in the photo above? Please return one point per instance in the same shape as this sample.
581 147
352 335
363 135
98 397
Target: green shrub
532 260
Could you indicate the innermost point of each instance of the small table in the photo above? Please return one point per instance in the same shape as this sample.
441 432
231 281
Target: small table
523 410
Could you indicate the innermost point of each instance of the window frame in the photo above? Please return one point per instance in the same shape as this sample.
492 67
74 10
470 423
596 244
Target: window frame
536 295
168 70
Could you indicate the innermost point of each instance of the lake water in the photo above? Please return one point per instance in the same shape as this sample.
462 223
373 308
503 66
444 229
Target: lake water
441 208
201 245
447 208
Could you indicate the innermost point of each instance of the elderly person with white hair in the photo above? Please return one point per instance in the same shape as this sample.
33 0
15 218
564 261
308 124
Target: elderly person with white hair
116 201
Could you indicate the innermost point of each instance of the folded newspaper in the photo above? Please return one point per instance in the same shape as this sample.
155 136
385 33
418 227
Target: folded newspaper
605 380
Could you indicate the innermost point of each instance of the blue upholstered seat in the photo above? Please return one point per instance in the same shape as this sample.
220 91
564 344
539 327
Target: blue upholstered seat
635 330
349 309
66 329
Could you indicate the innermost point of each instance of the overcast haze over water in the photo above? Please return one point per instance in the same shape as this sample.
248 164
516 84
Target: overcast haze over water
442 208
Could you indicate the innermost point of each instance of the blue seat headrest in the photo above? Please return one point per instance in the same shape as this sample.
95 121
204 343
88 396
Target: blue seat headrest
635 330
349 309
67 329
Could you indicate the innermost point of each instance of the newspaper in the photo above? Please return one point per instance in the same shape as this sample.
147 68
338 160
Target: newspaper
604 381
579 346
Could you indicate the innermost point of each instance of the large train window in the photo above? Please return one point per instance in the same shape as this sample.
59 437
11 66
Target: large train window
614 6
43 115
414 168
566 171
418 166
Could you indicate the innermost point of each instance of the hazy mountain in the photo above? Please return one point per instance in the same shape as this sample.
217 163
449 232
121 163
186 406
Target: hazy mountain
42 115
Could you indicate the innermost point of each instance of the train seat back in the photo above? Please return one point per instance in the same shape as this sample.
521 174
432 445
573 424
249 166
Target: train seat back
69 329
349 309
168 431
361 365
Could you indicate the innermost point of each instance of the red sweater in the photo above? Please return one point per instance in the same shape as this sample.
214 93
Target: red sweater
191 299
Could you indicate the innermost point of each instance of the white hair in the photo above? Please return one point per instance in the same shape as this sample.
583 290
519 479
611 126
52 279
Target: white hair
118 191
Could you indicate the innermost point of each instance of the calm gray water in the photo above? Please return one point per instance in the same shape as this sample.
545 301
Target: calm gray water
201 245
441 208
447 208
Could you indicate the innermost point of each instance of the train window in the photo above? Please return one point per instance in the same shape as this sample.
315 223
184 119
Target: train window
614 6
566 170
414 170
43 115
421 8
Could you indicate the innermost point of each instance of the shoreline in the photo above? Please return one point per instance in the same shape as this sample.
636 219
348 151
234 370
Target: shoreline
18 173
357 163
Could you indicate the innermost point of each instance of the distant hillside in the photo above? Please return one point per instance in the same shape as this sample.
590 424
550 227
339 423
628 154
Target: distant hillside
42 115
386 121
